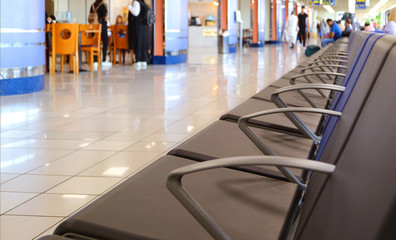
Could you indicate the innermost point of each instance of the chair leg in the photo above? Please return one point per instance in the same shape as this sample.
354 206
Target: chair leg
114 56
91 61
99 60
62 62
71 63
131 53
76 64
52 65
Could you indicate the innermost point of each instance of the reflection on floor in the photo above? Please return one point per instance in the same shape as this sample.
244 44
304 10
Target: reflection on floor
64 147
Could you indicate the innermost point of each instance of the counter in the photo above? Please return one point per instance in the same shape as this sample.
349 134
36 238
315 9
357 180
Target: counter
202 36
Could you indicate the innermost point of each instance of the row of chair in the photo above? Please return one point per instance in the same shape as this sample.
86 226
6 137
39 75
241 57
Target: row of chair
65 41
271 168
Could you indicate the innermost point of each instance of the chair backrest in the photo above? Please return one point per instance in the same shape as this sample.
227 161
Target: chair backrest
358 201
65 38
90 38
351 79
120 36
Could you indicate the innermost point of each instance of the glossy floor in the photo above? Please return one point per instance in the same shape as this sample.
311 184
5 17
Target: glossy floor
64 147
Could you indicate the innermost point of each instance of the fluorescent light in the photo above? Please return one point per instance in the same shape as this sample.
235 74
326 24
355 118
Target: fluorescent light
352 6
329 8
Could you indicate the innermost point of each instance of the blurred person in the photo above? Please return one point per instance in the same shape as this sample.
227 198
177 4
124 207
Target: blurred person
291 29
390 27
139 32
368 27
342 27
324 28
348 28
335 33
102 13
119 20
302 25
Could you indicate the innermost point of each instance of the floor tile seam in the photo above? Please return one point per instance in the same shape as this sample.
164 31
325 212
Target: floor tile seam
37 194
18 174
52 161
57 223
77 174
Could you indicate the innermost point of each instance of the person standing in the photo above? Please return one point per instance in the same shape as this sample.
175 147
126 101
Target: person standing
102 14
138 32
334 34
390 27
291 29
302 25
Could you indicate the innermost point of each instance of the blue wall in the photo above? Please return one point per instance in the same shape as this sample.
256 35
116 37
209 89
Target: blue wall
22 53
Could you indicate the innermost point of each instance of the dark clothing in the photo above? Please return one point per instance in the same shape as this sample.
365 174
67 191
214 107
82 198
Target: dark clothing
302 20
302 25
301 36
138 35
347 31
102 10
102 13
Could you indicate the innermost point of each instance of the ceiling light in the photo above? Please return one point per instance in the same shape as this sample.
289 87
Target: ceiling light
352 6
329 8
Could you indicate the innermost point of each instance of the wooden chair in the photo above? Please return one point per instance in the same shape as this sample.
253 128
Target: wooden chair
247 36
90 42
64 42
120 41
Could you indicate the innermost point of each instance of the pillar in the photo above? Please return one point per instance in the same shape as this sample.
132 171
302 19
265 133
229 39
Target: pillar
227 23
22 49
258 23
170 31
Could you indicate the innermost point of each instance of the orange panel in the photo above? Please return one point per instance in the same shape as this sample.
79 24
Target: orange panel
159 28
254 6
224 15
287 8
274 20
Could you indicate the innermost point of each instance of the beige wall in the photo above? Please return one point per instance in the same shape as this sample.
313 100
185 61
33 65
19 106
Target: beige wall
202 10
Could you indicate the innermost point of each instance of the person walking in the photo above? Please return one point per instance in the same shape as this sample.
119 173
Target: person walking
291 29
101 9
138 32
390 27
302 25
334 34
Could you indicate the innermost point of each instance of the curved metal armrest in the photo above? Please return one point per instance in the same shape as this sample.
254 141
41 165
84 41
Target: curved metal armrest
321 66
293 79
174 185
331 58
327 61
335 53
290 113
280 103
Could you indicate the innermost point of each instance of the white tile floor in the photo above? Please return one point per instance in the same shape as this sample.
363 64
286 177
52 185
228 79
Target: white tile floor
64 147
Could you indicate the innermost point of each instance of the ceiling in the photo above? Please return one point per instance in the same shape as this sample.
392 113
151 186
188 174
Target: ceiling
342 6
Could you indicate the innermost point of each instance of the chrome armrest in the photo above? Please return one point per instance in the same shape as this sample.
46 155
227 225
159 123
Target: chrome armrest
305 75
329 66
290 113
279 102
174 184
328 61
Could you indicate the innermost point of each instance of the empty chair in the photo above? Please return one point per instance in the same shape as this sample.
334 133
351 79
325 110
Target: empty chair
90 42
64 41
120 42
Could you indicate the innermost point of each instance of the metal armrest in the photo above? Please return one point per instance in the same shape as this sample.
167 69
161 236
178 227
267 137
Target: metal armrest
174 185
327 61
305 75
278 101
290 113
335 53
321 66
331 58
